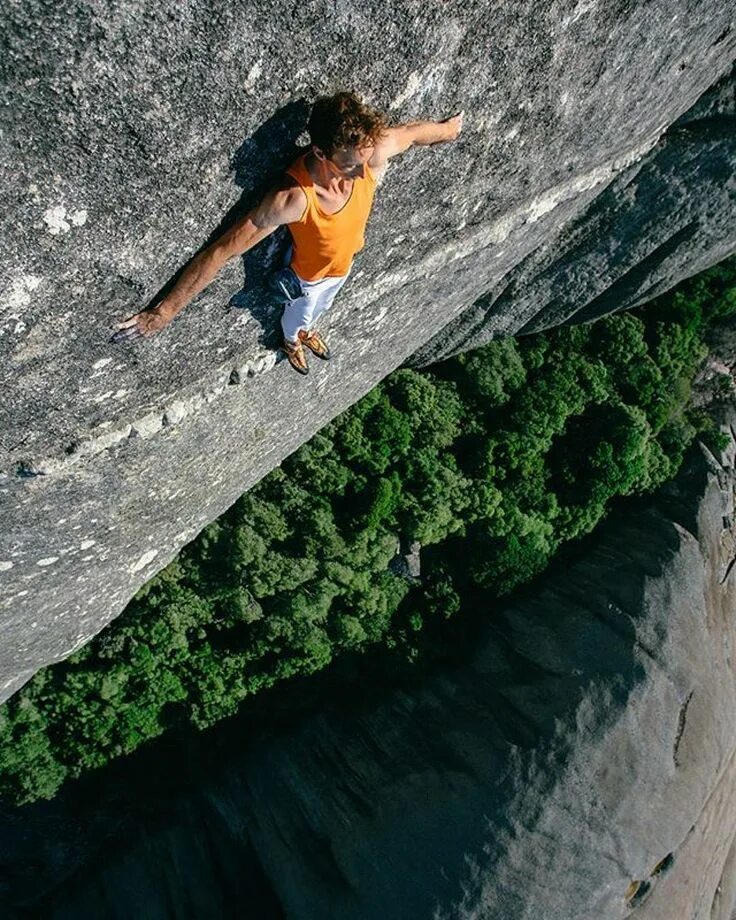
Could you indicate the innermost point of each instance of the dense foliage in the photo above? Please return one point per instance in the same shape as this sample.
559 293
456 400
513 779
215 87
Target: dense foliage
490 461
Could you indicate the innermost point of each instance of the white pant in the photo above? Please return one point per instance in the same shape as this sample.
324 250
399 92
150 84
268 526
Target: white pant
306 310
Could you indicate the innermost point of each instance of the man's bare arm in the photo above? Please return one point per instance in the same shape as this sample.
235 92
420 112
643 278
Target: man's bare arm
422 133
281 205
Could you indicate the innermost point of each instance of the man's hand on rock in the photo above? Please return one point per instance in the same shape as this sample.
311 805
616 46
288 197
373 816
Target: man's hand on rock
140 324
454 125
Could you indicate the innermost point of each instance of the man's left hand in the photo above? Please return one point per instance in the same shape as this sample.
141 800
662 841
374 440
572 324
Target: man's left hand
454 125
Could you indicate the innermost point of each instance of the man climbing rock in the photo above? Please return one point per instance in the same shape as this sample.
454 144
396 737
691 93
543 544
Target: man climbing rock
324 199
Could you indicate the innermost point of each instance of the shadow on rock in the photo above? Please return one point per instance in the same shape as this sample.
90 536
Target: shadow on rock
257 164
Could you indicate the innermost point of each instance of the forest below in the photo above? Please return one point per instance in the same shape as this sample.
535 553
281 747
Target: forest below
490 461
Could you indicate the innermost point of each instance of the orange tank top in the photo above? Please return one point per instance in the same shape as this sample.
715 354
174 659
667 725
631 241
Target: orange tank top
324 244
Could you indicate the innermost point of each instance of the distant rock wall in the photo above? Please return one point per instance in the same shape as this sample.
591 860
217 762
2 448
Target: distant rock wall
664 218
581 764
131 133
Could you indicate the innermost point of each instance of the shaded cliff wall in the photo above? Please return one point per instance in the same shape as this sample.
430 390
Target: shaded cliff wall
130 134
663 219
586 745
590 738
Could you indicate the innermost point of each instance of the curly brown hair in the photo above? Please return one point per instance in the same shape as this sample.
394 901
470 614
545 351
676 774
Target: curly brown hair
343 120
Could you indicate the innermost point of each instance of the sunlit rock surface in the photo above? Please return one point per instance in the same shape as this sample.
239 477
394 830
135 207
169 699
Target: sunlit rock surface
131 134
579 764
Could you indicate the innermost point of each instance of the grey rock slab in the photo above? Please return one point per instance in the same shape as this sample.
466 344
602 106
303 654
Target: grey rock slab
130 136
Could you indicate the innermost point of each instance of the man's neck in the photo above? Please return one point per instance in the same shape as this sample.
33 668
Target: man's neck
323 176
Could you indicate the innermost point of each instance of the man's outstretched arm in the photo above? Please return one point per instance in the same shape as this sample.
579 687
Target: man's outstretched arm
280 206
398 139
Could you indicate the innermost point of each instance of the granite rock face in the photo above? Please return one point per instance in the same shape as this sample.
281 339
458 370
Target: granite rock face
580 764
131 135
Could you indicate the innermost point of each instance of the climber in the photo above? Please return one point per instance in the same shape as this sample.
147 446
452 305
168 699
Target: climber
324 199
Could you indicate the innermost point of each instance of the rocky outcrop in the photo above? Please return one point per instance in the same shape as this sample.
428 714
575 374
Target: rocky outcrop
580 763
131 136
408 564
716 378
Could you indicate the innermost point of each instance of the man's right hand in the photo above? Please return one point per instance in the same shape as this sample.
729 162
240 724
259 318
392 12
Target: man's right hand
140 324
282 205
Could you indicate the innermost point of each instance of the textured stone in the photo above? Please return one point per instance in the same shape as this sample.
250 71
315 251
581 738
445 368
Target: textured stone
408 564
579 764
132 135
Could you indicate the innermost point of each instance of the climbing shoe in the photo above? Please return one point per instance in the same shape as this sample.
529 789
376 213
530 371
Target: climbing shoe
297 359
315 343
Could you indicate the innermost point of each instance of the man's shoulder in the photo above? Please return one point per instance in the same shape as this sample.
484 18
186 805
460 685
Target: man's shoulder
287 182
284 203
290 197
385 148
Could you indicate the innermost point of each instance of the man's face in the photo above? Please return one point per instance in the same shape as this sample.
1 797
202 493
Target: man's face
349 162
